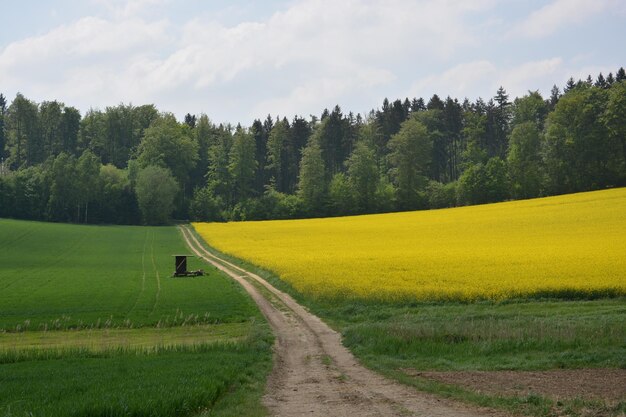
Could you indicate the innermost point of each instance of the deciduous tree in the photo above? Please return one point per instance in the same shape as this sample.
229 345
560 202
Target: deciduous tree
156 189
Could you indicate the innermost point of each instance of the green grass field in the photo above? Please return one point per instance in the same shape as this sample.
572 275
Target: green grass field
61 276
93 324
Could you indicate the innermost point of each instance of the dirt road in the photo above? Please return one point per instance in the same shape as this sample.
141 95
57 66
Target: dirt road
314 374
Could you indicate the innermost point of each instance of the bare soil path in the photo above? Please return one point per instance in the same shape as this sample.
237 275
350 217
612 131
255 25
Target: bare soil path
608 385
314 374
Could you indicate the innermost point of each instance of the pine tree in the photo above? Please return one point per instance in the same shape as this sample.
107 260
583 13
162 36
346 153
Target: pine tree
219 181
406 106
190 120
601 82
555 95
620 75
260 141
610 80
277 147
299 133
569 85
417 105
411 154
435 103
242 164
501 119
312 183
23 132
202 135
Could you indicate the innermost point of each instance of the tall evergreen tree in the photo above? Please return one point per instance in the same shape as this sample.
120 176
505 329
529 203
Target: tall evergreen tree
502 120
475 150
435 122
260 136
190 120
277 148
312 182
601 82
70 127
435 103
453 122
610 79
334 138
555 95
418 105
202 135
242 164
23 133
50 117
411 150
300 132
219 181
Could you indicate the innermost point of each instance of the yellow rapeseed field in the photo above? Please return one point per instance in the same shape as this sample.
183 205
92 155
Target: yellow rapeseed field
573 244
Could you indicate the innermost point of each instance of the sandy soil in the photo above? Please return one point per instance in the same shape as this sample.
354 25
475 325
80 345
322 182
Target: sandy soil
605 384
314 374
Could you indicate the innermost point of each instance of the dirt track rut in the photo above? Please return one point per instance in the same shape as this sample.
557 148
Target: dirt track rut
314 374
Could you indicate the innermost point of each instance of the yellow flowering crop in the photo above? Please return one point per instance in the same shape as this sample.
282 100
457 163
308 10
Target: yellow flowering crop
573 244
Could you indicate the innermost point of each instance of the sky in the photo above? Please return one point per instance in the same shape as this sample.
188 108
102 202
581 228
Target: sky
240 60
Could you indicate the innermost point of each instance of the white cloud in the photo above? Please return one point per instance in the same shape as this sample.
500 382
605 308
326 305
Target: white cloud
477 78
84 39
322 92
311 53
124 9
86 63
560 13
306 56
531 75
459 81
320 49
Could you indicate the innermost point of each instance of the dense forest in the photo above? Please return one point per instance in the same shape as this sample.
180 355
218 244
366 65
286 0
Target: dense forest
131 165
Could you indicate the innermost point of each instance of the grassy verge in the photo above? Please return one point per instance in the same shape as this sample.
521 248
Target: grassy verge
181 381
144 337
525 335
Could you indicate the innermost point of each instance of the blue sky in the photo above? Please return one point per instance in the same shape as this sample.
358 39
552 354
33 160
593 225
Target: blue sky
237 60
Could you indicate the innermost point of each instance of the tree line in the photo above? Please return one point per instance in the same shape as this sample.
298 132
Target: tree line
132 164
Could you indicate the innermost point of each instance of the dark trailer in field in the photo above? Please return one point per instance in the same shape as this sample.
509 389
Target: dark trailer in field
180 265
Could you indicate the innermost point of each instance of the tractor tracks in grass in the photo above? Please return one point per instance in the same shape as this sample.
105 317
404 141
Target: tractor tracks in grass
143 276
156 275
314 374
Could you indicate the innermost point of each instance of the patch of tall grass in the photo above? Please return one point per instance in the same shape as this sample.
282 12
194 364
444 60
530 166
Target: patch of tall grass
179 381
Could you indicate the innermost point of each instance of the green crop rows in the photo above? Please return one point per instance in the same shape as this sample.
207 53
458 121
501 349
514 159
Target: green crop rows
93 324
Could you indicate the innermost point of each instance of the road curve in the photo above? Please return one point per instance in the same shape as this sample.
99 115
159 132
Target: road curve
314 374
